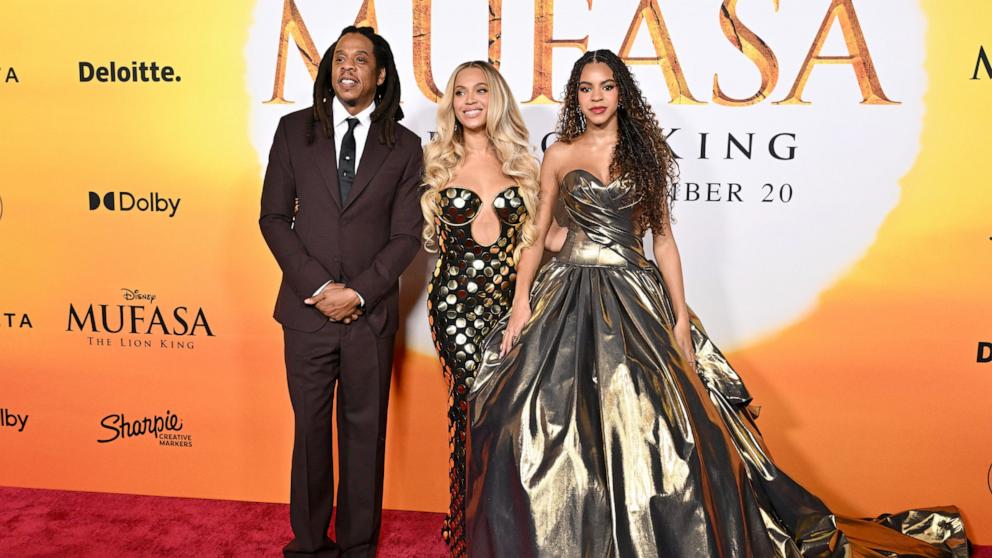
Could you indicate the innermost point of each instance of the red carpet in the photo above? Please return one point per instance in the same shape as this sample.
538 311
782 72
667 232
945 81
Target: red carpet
57 523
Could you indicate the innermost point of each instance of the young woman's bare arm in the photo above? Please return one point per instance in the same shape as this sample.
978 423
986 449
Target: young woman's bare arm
530 258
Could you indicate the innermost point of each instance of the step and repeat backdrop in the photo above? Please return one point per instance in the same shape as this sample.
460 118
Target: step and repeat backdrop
833 213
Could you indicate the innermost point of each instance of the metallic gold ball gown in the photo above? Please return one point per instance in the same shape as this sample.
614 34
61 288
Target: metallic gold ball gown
471 289
594 438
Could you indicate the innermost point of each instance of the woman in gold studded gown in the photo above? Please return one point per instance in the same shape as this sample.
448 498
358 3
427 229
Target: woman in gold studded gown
604 421
481 188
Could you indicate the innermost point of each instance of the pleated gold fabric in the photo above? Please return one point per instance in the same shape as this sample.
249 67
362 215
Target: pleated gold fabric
593 437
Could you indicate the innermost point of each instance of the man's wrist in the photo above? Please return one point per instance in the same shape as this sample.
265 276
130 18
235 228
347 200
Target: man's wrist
361 300
322 287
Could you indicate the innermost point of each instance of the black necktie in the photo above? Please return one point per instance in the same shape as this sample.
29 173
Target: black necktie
346 162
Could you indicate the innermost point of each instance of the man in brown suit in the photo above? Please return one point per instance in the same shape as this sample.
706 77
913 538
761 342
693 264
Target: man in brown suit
355 174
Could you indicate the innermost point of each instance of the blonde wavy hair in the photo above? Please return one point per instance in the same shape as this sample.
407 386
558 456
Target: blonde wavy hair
508 135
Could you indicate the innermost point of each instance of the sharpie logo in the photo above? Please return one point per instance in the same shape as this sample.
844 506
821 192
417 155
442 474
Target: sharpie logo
119 427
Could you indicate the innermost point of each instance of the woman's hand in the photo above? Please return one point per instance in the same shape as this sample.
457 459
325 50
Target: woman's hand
519 316
683 337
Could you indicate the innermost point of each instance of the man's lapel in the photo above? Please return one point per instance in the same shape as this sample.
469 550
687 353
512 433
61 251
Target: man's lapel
326 158
373 155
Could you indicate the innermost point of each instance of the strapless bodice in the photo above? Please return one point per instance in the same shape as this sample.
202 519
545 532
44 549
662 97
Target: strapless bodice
602 228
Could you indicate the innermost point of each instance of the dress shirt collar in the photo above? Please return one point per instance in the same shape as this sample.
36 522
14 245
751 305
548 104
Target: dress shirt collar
341 114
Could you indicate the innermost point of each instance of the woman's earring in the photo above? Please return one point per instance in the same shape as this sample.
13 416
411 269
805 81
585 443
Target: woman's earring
582 121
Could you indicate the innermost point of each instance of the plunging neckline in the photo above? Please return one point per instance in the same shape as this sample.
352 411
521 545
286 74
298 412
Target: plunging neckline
482 203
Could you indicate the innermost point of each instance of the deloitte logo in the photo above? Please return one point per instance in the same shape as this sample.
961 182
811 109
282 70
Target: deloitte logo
126 201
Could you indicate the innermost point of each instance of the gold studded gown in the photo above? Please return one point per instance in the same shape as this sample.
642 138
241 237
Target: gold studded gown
471 289
593 437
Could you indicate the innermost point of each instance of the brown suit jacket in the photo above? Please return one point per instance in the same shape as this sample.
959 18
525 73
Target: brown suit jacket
365 243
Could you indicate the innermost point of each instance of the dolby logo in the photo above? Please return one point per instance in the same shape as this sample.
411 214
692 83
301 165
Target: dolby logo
10 419
126 202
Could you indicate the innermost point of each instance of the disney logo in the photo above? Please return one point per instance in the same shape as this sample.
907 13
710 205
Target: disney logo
135 294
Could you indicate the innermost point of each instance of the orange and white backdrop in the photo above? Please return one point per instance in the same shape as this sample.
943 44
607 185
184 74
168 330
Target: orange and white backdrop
833 214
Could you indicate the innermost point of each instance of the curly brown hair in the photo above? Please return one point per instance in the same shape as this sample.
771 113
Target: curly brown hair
641 154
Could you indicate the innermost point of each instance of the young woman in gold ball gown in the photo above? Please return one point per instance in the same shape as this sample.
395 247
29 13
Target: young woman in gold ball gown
604 420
